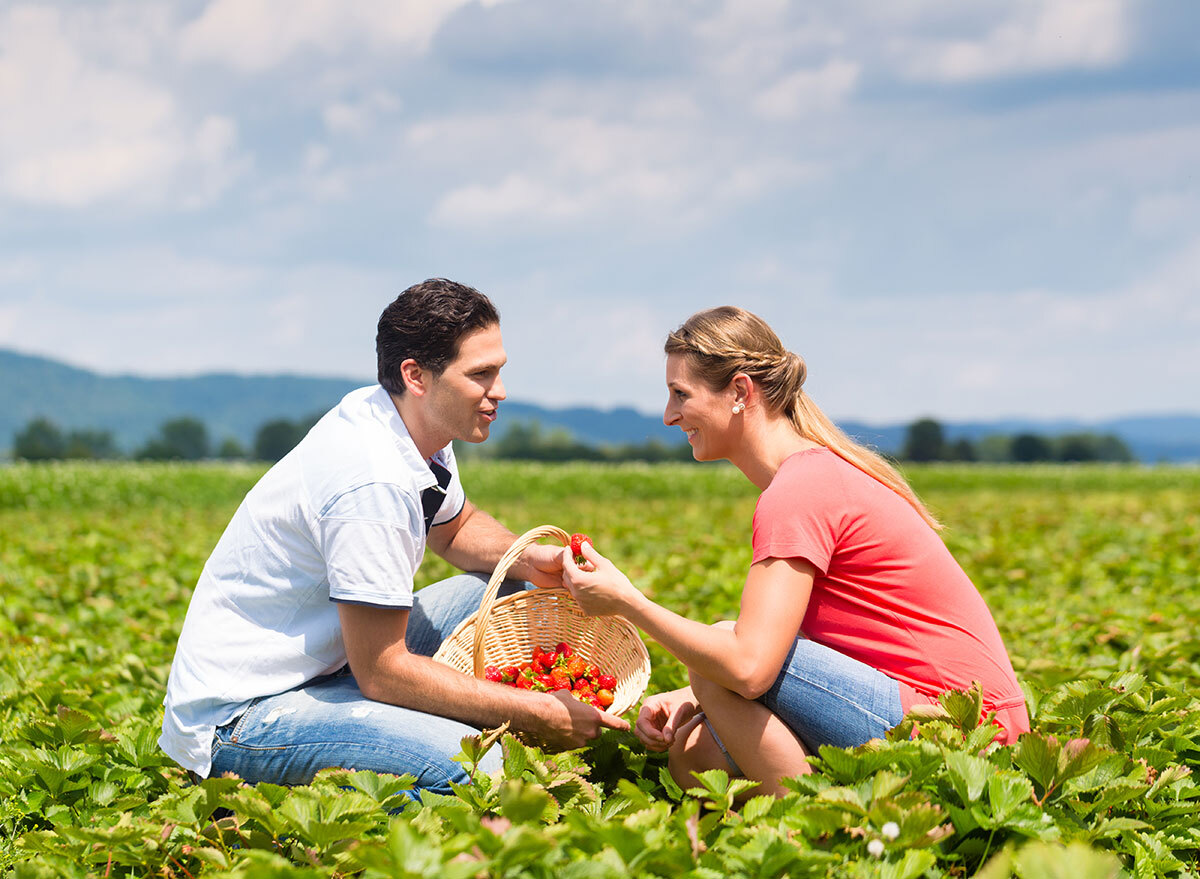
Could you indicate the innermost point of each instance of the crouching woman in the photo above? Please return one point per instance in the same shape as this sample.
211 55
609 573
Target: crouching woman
853 610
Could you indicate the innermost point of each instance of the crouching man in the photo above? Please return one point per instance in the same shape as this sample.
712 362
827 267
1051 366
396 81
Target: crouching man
304 645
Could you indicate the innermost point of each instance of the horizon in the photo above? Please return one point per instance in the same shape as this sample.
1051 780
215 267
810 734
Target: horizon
519 400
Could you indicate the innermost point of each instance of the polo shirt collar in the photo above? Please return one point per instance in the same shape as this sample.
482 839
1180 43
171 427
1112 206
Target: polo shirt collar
381 401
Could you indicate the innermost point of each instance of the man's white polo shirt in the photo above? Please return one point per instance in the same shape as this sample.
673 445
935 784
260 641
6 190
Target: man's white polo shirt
338 519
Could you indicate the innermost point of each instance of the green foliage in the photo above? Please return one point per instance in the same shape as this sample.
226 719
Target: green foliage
1091 573
178 439
42 440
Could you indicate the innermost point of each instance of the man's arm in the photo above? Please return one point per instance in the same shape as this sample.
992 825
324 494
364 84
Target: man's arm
387 672
474 541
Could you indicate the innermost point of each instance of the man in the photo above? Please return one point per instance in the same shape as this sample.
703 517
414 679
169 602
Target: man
304 645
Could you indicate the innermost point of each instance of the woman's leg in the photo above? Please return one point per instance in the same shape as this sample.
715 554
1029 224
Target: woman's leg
820 697
759 743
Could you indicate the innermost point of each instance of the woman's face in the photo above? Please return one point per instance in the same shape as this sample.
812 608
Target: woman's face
703 414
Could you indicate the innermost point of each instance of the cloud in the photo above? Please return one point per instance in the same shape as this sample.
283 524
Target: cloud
807 91
77 133
568 167
1034 36
359 117
252 36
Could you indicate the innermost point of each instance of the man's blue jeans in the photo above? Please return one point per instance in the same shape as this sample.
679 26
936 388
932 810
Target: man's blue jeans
289 737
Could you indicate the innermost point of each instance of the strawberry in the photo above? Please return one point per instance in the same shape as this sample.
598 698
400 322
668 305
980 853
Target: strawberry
604 697
491 673
577 542
593 671
577 666
562 648
509 676
606 682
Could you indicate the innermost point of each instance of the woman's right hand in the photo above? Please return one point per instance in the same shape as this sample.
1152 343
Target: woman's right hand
664 717
600 589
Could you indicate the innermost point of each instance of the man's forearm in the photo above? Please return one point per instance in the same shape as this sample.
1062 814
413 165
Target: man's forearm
476 544
413 681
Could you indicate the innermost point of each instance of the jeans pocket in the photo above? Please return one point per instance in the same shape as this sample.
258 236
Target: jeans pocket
235 726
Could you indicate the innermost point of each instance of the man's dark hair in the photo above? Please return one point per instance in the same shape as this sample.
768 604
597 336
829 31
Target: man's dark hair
427 323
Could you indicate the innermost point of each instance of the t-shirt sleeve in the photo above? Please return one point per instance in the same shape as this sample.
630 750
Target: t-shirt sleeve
456 498
372 539
798 516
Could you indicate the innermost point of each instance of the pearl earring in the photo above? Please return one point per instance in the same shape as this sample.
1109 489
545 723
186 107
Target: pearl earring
738 408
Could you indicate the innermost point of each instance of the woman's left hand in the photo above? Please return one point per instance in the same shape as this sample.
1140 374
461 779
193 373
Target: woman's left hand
601 591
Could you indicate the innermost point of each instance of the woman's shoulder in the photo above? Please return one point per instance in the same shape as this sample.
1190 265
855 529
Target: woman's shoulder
807 466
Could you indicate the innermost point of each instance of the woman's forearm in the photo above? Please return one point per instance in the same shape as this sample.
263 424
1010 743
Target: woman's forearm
716 652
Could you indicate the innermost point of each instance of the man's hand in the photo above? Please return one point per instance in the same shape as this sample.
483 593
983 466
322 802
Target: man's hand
540 565
570 724
666 717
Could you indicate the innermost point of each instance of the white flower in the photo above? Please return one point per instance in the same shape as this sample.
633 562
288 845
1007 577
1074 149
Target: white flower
875 847
890 830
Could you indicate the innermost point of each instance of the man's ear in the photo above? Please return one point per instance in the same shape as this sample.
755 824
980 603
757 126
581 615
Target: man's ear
415 378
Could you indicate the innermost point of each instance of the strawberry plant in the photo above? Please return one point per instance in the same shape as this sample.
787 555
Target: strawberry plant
1091 573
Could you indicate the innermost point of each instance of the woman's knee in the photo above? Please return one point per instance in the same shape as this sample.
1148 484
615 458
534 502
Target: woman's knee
694 752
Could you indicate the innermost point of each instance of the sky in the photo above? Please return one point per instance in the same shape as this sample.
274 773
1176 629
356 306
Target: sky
965 211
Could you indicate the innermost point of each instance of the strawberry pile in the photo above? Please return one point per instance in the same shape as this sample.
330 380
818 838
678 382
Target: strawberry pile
558 669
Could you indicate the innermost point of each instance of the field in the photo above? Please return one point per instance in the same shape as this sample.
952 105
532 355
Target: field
1092 574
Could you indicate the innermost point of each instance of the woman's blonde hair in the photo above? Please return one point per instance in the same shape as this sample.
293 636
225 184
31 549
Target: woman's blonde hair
721 342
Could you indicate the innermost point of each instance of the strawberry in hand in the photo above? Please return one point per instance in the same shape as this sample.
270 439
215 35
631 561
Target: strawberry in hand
577 542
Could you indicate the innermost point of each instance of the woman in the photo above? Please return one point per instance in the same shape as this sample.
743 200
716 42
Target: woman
853 610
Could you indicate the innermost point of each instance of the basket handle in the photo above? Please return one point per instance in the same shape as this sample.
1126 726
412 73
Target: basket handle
522 543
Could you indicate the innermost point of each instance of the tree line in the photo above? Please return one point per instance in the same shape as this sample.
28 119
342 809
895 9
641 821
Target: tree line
187 439
177 439
925 440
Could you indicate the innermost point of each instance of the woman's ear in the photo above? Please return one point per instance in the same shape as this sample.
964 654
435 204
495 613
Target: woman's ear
743 389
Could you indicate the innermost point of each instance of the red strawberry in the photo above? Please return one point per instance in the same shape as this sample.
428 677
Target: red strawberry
604 697
562 648
577 541
606 682
577 666
491 673
510 674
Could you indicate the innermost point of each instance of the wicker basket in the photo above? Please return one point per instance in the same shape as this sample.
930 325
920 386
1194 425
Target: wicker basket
504 631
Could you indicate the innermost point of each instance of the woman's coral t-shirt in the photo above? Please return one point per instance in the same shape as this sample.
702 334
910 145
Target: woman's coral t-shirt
888 592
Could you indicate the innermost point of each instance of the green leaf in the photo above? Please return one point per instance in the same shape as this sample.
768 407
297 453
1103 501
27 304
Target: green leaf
672 789
522 802
968 774
1075 861
913 864
1007 792
1037 755
965 708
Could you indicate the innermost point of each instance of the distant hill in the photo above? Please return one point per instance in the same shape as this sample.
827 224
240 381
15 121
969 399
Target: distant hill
133 407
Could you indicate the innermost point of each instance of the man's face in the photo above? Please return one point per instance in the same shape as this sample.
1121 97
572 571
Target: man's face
463 399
